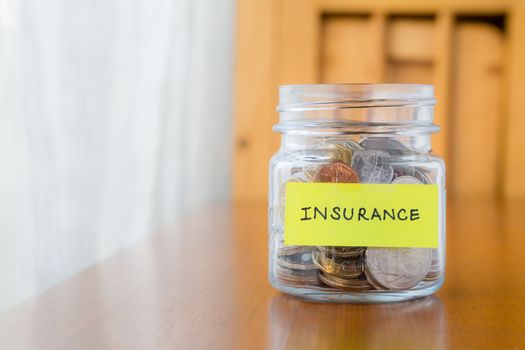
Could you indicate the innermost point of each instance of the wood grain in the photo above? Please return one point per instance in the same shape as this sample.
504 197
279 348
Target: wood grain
350 52
514 125
203 285
476 111
442 77
256 95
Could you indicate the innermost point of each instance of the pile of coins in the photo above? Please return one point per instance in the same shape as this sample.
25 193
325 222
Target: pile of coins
373 160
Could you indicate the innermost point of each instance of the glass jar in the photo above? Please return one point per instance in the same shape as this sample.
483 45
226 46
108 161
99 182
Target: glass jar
356 196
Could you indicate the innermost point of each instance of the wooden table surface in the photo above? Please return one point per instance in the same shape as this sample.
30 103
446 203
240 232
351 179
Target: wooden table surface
203 285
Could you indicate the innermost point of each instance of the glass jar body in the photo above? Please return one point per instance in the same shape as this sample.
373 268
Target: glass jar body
355 273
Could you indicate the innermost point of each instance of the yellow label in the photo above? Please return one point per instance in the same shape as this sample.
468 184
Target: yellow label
370 215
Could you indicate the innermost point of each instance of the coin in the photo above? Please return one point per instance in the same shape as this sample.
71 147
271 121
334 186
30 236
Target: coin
344 153
336 172
406 170
372 281
305 173
353 145
299 261
422 176
282 196
434 272
344 252
371 167
342 283
432 276
386 144
407 180
398 268
292 250
296 277
343 268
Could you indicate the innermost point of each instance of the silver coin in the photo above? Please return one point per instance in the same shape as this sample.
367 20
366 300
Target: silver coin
398 268
371 168
386 144
407 180
406 170
293 250
422 176
282 195
299 261
372 281
296 277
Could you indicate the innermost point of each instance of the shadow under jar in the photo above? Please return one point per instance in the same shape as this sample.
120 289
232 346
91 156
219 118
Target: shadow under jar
356 197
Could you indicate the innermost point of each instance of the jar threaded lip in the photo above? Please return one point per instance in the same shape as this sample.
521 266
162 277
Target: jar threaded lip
352 108
353 95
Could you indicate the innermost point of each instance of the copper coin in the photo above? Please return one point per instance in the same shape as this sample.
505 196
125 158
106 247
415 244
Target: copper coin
336 172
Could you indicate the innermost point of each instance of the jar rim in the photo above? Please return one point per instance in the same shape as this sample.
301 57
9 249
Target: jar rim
356 108
305 97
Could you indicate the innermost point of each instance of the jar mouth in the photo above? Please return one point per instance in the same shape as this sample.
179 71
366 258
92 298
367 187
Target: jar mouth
340 96
356 109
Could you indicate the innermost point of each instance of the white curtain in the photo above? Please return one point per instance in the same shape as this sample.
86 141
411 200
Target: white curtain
115 119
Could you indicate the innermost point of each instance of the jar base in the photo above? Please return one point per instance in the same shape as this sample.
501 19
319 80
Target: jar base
375 296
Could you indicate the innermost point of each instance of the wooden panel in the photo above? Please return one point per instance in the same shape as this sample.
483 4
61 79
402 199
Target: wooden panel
256 84
515 124
442 77
476 108
413 73
411 39
410 43
352 49
299 50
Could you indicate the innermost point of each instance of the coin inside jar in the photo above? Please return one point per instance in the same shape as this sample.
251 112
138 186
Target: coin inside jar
344 252
404 170
371 166
336 172
347 268
297 277
398 268
344 283
407 180
292 250
299 261
387 144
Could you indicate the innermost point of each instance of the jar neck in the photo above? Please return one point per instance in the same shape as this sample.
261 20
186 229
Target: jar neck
290 142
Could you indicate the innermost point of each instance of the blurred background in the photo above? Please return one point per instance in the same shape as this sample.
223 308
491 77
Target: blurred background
118 117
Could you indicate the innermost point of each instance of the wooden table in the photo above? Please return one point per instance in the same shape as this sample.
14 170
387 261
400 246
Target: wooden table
203 285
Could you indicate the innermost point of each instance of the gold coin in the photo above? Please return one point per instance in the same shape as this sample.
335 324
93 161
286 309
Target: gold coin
341 283
344 252
346 269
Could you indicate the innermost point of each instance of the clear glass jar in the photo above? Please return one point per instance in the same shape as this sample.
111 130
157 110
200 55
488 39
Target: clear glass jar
365 149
